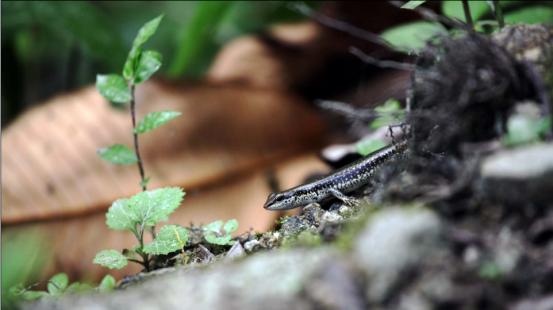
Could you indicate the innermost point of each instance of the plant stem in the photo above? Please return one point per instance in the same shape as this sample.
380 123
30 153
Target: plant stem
145 256
468 17
498 14
135 261
135 137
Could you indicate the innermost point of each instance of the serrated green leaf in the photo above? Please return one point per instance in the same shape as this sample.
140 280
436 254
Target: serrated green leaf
33 295
111 259
118 154
151 207
170 238
368 146
130 67
120 216
107 284
215 232
413 4
214 226
78 287
213 238
149 62
389 113
231 226
412 37
19 291
155 119
57 284
113 87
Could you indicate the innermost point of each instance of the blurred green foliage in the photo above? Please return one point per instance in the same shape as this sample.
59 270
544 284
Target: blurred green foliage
24 253
54 46
411 37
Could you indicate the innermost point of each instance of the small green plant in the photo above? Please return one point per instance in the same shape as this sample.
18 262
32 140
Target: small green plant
412 37
143 211
524 129
388 113
490 270
58 285
220 233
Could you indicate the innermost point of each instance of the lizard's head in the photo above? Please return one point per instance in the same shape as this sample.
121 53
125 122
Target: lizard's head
280 201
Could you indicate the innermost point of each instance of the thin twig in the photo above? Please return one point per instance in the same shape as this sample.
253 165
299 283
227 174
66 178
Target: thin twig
349 111
135 137
498 12
341 25
387 64
135 261
468 17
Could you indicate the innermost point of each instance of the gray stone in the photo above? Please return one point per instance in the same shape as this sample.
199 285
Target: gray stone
274 280
394 240
519 175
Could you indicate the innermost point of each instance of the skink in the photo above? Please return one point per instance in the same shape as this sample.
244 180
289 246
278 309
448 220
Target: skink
337 184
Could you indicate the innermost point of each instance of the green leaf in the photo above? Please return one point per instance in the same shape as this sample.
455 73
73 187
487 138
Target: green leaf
107 284
368 146
151 207
113 87
118 154
388 113
523 129
120 216
490 271
57 284
231 226
155 119
148 63
454 9
198 34
215 233
148 30
111 259
214 226
170 238
78 287
412 36
531 15
33 295
20 291
413 4
214 238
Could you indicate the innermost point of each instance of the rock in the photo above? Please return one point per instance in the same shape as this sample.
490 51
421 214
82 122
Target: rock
531 43
520 175
508 250
332 217
251 245
542 303
235 251
275 280
394 240
334 287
